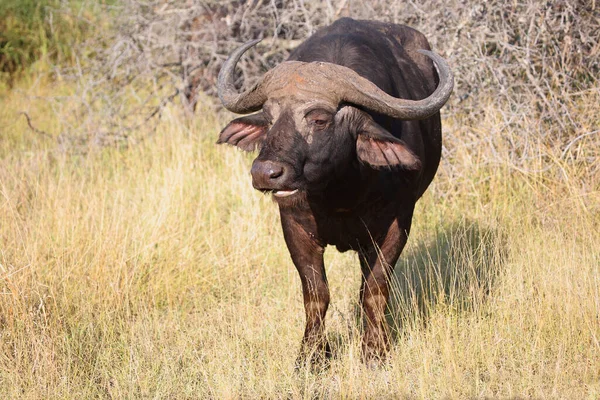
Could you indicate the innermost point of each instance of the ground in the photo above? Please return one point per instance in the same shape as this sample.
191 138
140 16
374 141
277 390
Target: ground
157 271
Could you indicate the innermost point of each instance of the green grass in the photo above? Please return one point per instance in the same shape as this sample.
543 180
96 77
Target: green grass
158 272
40 31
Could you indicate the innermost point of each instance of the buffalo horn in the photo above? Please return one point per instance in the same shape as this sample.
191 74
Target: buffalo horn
242 103
363 92
346 83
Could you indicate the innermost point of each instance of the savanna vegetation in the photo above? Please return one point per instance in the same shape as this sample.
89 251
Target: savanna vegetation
136 260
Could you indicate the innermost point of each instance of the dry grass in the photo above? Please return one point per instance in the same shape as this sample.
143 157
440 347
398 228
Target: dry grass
157 272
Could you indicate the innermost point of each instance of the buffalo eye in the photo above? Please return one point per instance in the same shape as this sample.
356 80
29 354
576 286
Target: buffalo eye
318 119
320 123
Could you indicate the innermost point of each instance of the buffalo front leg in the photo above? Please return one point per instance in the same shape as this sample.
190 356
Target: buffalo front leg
377 264
307 256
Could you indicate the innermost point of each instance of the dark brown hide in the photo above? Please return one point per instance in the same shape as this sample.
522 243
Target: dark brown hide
341 173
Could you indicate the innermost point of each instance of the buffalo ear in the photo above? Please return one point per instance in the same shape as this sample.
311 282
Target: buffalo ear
247 132
378 148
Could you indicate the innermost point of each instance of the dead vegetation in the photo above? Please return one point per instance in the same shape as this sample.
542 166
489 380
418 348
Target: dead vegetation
535 63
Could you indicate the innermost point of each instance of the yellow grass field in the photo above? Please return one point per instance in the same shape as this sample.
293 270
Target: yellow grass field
158 272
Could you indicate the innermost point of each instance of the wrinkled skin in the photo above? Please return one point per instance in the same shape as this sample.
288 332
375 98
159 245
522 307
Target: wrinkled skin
342 175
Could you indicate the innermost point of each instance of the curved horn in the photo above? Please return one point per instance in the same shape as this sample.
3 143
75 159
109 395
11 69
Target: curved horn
361 91
242 103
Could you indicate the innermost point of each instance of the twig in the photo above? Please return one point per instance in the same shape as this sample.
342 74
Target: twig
564 153
33 128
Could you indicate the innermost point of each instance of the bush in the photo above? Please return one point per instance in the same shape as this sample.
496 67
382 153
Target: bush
530 67
31 30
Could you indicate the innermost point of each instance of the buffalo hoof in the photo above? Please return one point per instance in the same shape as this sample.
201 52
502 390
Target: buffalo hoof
374 362
374 353
317 358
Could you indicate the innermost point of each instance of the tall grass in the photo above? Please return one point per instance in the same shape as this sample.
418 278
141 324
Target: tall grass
159 272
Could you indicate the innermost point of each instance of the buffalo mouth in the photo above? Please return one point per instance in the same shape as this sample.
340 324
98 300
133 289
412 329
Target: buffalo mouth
278 192
284 193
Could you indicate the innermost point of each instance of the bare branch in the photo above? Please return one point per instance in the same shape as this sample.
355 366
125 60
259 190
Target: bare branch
33 128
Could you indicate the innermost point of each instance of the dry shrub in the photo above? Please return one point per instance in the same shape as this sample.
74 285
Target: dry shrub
530 65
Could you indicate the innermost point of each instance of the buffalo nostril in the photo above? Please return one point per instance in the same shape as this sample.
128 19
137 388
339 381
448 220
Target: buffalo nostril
267 175
275 173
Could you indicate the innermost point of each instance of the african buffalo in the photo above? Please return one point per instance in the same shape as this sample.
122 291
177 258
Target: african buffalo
349 134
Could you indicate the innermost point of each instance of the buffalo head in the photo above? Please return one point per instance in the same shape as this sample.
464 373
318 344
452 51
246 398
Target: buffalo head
314 122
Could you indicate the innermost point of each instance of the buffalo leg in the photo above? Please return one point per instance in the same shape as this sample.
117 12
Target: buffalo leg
307 256
377 264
